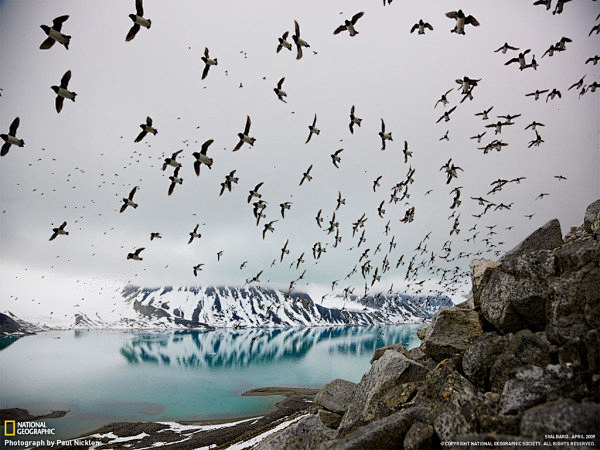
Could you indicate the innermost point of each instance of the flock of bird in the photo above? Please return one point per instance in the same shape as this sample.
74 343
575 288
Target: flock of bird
419 266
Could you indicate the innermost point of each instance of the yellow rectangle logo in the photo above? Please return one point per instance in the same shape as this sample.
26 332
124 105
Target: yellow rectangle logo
6 427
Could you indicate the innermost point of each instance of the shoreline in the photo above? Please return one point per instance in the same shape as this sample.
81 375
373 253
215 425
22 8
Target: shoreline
189 434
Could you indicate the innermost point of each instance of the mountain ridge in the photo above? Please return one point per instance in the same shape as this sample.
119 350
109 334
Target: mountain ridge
204 307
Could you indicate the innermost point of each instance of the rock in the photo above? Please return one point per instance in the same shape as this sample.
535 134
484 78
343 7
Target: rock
451 331
336 396
396 347
481 270
534 385
563 416
456 406
591 219
419 436
479 358
305 434
391 381
329 419
385 433
522 349
547 237
517 294
575 308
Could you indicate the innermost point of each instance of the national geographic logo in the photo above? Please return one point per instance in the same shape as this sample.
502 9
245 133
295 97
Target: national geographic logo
14 428
9 428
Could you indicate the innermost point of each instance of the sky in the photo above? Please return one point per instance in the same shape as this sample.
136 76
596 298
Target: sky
78 165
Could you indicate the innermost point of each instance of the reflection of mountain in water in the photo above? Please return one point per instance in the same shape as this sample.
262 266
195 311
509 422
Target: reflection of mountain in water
244 347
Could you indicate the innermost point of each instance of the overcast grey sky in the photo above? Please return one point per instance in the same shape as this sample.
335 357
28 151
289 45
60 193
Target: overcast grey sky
76 166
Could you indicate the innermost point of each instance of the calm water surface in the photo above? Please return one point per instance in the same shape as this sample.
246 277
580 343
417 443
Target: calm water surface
108 376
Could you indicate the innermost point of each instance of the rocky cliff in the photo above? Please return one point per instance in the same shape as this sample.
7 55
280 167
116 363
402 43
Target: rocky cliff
518 363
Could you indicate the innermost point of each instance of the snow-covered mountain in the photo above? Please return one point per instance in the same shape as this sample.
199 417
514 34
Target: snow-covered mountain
135 307
266 307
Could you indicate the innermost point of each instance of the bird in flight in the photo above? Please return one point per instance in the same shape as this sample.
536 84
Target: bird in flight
138 20
349 25
62 92
54 34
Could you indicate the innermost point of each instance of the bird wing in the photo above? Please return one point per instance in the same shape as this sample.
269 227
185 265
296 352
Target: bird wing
64 81
48 42
428 25
149 121
205 71
132 193
12 130
310 133
238 146
471 20
132 32
140 136
247 127
414 27
139 250
63 225
174 155
5 148
339 29
206 52
452 14
59 103
171 187
139 8
57 23
205 146
357 16
510 61
280 83
297 28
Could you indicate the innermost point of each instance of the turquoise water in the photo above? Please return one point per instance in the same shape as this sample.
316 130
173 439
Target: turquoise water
109 376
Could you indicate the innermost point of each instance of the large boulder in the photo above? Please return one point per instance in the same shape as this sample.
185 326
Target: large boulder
547 237
517 294
396 347
384 433
481 269
575 308
455 404
452 331
562 417
328 418
392 380
419 436
481 356
306 434
534 385
591 219
336 396
523 349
